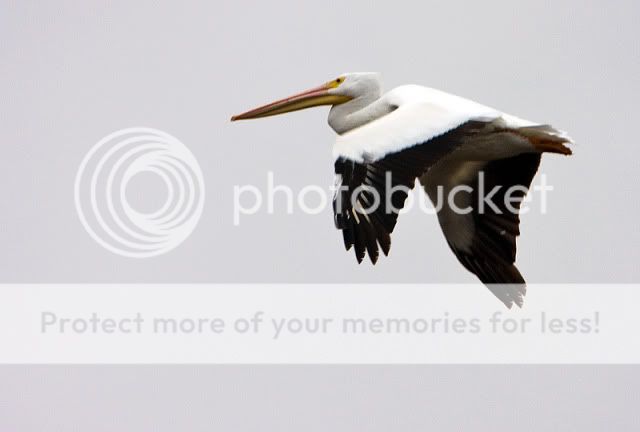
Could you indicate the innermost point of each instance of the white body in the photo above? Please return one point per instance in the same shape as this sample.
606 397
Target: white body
413 114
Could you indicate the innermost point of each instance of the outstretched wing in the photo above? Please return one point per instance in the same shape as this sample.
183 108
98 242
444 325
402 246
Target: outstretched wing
369 195
421 127
484 240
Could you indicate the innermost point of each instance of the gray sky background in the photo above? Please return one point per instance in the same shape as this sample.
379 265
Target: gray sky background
317 399
73 72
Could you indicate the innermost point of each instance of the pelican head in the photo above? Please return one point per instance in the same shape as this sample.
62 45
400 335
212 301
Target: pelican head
335 92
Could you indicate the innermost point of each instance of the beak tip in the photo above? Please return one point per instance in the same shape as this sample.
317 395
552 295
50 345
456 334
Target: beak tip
234 118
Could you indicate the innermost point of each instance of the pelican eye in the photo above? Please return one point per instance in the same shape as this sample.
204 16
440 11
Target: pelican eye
335 83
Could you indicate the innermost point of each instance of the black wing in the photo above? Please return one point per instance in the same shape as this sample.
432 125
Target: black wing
492 252
370 195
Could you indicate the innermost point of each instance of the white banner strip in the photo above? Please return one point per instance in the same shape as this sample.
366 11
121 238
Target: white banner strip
270 323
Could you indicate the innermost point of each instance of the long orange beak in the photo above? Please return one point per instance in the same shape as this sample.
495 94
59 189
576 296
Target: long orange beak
314 97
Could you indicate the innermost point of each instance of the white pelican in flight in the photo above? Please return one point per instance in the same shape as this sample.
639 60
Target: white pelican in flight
444 141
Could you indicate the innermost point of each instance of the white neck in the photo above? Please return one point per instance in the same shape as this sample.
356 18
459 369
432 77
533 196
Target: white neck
357 112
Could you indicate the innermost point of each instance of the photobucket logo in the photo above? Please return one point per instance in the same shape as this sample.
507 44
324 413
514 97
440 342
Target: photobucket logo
106 174
480 197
